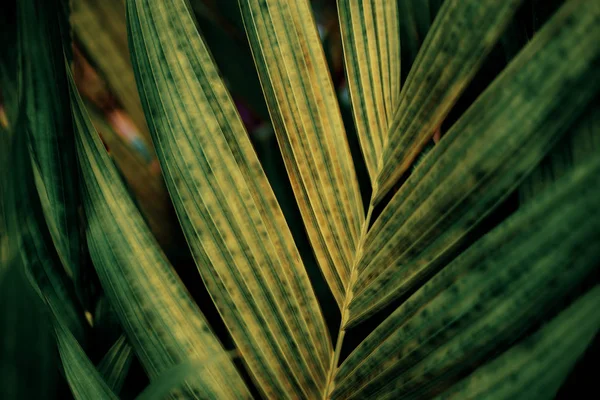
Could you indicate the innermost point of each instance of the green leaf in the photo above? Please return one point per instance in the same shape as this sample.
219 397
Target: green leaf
308 125
462 34
173 378
163 324
536 367
498 140
84 379
114 366
485 298
233 224
579 144
48 124
28 228
371 41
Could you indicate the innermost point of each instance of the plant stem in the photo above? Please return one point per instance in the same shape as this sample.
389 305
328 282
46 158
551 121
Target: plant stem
329 386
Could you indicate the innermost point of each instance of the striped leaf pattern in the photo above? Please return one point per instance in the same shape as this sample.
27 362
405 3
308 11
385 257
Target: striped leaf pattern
307 121
462 34
85 381
115 364
232 221
371 41
487 296
536 367
161 321
502 136
45 97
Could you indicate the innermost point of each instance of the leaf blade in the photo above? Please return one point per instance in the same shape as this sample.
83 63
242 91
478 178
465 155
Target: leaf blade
233 224
455 46
154 308
486 297
536 367
309 130
371 42
443 201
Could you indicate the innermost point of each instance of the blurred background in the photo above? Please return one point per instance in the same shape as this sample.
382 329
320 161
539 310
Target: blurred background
29 367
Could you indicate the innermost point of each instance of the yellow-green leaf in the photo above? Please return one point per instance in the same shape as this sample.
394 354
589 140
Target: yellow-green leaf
307 121
462 34
371 41
229 214
486 154
162 323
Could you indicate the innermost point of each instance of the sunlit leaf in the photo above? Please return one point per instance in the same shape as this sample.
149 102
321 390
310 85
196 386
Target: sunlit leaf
162 323
233 224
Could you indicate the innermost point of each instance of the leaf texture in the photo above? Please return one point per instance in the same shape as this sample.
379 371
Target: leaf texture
85 381
484 299
462 34
163 324
48 123
498 141
371 41
309 129
233 224
536 367
27 227
580 143
114 366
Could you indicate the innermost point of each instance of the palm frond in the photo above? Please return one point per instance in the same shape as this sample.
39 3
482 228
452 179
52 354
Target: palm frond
160 319
307 121
44 91
488 295
536 367
462 34
482 159
233 224
371 40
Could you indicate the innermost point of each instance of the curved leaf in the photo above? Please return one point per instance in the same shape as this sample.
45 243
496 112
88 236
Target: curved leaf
163 324
536 367
115 364
499 139
233 224
485 298
462 34
84 379
48 123
307 121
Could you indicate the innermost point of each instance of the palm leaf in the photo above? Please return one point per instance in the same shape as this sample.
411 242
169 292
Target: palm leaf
536 367
84 379
236 231
581 143
48 123
160 319
486 297
462 34
371 43
502 136
306 117
38 256
115 364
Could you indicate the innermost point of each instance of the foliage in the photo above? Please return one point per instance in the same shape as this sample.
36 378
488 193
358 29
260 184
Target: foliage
435 237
